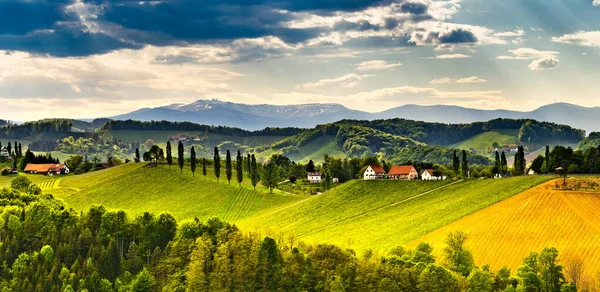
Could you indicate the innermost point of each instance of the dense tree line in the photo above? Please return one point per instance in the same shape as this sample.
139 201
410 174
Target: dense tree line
49 247
25 130
187 126
572 161
591 141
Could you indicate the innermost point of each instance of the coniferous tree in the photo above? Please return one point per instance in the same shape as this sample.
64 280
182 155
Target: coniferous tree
9 147
228 167
217 163
180 156
504 162
169 154
254 175
310 167
204 166
239 168
137 155
465 164
497 163
547 158
248 164
455 162
193 161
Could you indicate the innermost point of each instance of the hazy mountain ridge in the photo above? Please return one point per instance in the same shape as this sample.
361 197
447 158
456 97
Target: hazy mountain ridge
254 117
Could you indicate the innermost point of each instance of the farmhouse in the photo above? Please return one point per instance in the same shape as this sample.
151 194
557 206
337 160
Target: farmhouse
314 177
374 172
49 169
4 152
427 174
179 138
404 172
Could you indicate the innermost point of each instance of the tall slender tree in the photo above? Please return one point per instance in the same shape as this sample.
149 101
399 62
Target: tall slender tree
465 164
455 162
169 154
9 147
248 164
497 163
254 175
503 162
204 166
228 167
193 161
217 163
239 168
547 158
180 157
137 155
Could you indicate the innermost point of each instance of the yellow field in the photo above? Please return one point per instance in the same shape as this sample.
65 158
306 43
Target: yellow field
504 233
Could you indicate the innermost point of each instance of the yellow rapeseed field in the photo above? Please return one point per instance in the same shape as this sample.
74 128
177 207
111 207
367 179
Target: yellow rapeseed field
504 233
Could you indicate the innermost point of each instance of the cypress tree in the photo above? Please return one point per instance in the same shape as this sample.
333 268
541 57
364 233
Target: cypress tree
169 154
9 147
228 167
180 157
204 166
504 162
516 164
254 175
137 155
217 163
239 168
455 162
193 161
548 166
248 163
497 163
465 164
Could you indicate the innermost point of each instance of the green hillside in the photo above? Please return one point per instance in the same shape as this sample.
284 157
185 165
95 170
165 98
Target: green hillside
316 148
158 189
481 142
362 214
358 214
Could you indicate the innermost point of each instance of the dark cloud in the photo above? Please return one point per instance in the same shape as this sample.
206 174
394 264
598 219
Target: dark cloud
19 18
458 36
63 42
414 8
361 25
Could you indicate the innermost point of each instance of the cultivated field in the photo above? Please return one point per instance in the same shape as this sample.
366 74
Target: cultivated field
540 217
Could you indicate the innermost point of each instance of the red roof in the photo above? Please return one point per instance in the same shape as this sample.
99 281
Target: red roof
377 168
401 170
43 168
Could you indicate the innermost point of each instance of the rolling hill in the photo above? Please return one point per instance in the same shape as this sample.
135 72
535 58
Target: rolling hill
504 233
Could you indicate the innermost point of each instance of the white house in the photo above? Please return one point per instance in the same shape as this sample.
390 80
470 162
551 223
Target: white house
4 152
374 172
314 177
427 174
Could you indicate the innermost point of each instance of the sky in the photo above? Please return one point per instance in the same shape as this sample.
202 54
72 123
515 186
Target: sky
86 59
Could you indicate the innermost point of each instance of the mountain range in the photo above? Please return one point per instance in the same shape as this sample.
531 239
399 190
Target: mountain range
255 117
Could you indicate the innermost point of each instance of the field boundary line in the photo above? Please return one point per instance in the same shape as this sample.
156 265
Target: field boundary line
380 208
284 208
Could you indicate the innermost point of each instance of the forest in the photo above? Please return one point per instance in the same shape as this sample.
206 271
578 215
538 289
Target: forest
48 247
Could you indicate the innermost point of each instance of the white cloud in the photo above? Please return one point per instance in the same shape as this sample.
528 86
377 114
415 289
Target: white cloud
543 60
444 80
596 3
375 65
545 63
429 92
346 81
527 54
472 79
447 80
582 38
450 56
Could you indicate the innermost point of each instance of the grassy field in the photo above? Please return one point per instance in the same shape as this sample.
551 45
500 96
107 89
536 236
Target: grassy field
316 149
362 214
506 232
482 141
137 189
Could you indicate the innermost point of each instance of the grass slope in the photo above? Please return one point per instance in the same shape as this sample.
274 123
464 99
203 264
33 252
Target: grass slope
316 149
359 214
162 137
506 232
159 189
481 142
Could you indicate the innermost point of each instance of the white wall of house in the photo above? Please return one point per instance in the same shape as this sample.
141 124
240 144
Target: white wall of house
315 179
369 174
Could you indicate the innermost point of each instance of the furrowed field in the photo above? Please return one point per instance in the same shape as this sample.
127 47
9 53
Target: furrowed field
540 217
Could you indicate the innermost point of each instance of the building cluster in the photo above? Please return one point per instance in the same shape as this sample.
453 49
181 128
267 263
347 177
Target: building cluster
49 169
184 138
399 172
4 152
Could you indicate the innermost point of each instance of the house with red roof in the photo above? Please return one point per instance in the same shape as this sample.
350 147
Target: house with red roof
46 169
373 172
403 172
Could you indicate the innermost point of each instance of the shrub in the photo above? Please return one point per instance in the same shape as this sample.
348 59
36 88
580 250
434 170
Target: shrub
20 183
